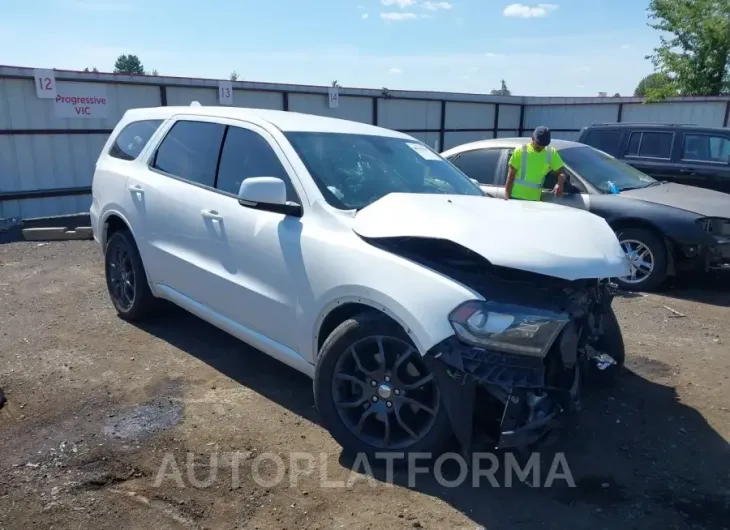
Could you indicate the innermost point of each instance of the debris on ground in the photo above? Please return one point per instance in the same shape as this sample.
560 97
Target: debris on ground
675 313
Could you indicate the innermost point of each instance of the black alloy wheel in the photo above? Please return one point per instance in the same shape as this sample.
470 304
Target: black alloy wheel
125 277
375 392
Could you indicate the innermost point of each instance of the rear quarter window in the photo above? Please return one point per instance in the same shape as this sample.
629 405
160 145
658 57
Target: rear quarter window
606 140
131 140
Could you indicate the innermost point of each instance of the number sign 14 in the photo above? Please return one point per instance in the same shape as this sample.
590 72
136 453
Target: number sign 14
225 93
334 97
45 84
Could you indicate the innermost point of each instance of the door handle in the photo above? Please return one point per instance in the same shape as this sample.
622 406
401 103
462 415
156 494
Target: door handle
211 214
686 171
136 188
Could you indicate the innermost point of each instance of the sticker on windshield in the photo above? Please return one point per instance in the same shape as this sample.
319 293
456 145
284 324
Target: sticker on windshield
424 151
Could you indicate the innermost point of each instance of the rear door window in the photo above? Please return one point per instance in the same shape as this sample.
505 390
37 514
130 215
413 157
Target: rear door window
190 151
130 142
607 140
650 144
706 148
480 164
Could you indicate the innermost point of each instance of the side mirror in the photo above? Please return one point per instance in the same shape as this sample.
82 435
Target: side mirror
267 193
475 181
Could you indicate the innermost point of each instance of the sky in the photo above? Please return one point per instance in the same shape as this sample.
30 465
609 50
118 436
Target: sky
567 48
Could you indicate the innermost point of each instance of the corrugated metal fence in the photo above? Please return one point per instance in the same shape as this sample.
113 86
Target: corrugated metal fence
47 158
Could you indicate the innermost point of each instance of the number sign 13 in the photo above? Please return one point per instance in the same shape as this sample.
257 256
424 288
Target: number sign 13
45 84
225 93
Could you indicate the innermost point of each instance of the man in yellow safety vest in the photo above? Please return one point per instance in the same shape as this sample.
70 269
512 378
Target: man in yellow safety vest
530 164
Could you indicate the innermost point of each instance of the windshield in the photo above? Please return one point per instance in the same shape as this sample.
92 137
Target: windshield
603 171
353 170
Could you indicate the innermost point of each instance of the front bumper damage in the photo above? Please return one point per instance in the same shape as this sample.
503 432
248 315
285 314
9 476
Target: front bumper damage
529 406
518 383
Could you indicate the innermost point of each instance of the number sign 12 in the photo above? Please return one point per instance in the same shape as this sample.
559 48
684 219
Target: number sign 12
45 84
225 93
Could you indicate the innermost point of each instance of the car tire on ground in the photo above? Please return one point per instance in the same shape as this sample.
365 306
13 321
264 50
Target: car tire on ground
643 246
612 343
126 280
397 403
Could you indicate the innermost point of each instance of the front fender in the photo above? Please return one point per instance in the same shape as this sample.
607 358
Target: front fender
423 334
418 298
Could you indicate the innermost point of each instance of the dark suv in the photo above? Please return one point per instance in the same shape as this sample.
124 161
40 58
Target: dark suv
687 154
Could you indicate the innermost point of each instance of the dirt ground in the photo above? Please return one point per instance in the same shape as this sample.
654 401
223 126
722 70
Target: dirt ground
96 406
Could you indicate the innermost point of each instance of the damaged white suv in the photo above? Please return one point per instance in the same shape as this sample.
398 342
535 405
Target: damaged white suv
360 257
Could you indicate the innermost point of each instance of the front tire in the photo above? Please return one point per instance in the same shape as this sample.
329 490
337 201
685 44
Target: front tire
126 279
374 392
612 343
648 257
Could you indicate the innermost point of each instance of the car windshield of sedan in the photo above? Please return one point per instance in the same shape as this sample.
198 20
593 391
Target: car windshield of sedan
355 170
603 171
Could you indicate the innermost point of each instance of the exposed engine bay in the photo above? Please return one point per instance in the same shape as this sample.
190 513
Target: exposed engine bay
515 393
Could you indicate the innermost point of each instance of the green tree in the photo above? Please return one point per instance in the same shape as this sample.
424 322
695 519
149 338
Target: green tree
656 84
695 53
233 76
128 64
154 73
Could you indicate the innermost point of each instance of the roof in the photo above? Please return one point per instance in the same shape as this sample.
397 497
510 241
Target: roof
652 125
283 120
507 143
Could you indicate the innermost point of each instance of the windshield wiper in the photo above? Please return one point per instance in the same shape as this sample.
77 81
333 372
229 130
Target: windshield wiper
627 188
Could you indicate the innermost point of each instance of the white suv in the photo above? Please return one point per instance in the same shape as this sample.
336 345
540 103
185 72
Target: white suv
360 257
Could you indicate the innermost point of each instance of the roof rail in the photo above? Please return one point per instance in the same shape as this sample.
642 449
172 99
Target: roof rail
658 124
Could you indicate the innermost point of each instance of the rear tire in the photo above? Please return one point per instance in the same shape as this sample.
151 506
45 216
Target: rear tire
387 393
126 279
643 247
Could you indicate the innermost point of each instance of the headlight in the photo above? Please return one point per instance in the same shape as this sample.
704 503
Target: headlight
715 226
507 328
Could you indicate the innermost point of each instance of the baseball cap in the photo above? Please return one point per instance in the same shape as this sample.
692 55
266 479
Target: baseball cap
542 135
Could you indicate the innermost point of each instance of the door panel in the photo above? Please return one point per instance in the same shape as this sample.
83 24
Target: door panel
177 242
255 264
182 168
252 271
705 161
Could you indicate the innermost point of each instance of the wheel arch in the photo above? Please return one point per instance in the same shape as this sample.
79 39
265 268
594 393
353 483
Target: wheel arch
342 308
113 221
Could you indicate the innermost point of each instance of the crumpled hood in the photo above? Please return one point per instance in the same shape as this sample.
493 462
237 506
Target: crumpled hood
531 236
708 203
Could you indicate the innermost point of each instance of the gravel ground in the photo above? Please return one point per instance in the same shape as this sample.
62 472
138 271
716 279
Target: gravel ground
96 406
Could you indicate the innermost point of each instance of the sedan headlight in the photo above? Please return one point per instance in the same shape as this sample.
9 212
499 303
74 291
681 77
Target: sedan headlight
715 226
507 328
